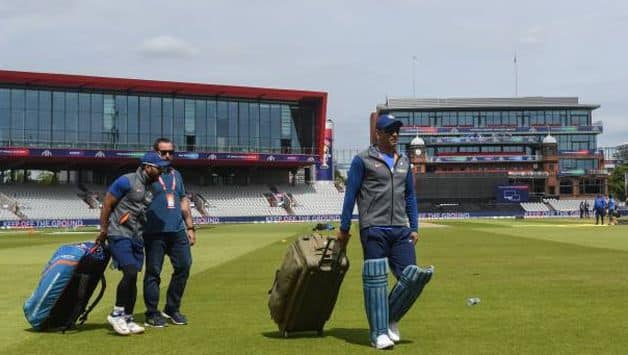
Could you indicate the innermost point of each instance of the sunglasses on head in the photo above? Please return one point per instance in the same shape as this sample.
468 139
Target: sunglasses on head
164 152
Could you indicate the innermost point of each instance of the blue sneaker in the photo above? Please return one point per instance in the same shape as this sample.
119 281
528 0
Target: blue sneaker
175 317
155 321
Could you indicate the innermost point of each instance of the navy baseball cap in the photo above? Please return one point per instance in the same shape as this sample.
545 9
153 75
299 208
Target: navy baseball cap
387 121
153 159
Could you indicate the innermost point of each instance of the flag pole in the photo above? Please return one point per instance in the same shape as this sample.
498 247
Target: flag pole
516 76
413 76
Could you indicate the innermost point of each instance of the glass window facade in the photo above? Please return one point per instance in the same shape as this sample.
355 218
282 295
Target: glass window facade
495 118
494 132
577 164
488 119
574 142
56 118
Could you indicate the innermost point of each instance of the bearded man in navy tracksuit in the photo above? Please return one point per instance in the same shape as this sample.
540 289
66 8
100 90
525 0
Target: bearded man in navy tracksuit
169 231
381 181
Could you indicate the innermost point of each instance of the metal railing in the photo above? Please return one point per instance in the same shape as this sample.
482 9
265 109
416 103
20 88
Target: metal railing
483 158
528 174
597 172
98 145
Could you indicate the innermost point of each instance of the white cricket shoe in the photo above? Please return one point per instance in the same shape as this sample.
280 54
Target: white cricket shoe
119 324
383 342
393 332
134 328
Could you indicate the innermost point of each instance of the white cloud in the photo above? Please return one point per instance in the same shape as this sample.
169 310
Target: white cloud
167 46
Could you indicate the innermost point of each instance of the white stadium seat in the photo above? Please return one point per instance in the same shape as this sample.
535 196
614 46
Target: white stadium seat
39 201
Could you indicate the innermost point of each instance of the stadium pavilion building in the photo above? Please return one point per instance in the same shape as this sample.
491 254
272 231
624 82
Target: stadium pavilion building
468 146
94 127
621 154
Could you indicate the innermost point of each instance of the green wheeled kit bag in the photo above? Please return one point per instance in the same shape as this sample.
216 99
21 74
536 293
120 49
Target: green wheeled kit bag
307 283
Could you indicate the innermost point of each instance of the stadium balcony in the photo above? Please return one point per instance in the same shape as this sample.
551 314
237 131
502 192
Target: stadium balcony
469 206
470 170
10 208
567 205
37 201
7 215
320 198
199 204
535 207
227 201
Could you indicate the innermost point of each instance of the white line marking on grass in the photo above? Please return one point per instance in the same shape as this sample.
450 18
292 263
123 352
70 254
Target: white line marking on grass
430 225
19 232
71 232
559 225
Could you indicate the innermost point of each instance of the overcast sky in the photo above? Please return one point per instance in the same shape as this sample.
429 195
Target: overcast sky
359 52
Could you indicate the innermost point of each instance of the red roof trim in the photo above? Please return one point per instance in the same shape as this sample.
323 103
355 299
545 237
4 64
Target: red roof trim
172 87
322 122
154 86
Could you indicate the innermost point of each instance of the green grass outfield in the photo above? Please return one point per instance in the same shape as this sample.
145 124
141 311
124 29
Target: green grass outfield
546 287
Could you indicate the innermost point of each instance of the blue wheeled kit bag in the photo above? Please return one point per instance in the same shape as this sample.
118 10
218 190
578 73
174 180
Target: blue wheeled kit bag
66 285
